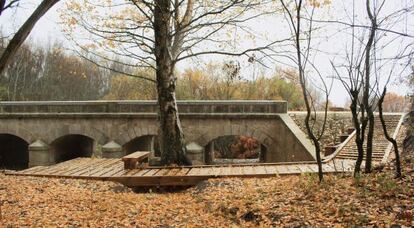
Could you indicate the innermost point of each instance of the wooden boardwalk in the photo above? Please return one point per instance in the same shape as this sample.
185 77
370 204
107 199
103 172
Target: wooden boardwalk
113 170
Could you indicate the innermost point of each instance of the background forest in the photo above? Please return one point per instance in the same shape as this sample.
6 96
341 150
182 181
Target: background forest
51 73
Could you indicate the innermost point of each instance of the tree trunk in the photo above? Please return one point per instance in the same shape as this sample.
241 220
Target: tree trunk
171 136
302 81
359 138
366 95
388 137
370 138
24 32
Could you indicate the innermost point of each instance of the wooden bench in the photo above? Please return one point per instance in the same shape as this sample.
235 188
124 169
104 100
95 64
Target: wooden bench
132 160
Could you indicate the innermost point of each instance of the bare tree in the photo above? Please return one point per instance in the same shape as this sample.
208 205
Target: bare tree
158 34
24 30
387 135
372 15
362 67
295 13
4 5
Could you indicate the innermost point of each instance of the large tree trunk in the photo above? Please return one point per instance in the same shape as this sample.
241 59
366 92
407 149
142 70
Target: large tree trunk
171 136
24 32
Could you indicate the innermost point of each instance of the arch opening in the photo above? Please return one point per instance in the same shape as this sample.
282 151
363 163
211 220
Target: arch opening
143 143
14 153
72 146
231 149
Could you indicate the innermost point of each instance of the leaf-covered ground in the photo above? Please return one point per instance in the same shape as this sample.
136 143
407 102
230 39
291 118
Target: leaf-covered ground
294 201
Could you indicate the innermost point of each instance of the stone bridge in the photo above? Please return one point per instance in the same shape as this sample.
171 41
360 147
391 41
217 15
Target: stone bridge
43 133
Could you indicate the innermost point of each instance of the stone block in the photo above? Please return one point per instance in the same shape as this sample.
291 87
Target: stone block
112 150
39 154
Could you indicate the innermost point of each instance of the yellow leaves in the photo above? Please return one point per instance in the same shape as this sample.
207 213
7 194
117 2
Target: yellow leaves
72 21
73 5
319 3
111 43
289 201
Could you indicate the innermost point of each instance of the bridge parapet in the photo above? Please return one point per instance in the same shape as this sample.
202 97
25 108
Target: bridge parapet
227 106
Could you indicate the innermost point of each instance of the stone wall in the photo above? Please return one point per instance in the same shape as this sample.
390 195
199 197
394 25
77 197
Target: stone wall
336 125
142 107
408 144
283 140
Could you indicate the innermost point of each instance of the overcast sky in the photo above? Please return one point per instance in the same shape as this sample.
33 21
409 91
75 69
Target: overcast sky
48 30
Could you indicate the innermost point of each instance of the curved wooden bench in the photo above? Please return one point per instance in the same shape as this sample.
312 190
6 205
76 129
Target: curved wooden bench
132 160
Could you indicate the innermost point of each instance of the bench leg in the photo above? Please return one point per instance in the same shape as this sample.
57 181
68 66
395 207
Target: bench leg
129 165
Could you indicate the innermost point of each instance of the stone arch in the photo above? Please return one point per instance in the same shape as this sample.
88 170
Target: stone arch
143 143
237 130
19 132
71 146
90 132
14 153
220 150
128 132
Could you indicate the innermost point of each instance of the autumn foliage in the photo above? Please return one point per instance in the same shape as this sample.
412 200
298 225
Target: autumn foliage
245 148
236 147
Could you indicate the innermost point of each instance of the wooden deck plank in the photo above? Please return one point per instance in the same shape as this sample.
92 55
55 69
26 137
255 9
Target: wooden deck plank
297 169
88 169
162 172
141 172
248 170
182 172
172 172
152 172
236 171
33 169
101 166
63 166
81 167
272 170
281 169
54 167
132 172
114 170
259 170
195 171
116 163
73 165
213 171
91 166
225 171
327 168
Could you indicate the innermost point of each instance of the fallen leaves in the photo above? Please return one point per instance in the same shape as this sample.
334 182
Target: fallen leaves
292 201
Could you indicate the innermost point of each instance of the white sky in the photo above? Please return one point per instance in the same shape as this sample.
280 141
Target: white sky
48 30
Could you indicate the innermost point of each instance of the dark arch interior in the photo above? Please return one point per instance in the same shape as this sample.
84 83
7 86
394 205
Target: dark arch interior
72 146
14 152
143 143
234 149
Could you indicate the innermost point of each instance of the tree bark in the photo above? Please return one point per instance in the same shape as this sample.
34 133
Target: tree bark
172 143
302 80
359 137
368 107
388 137
24 32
